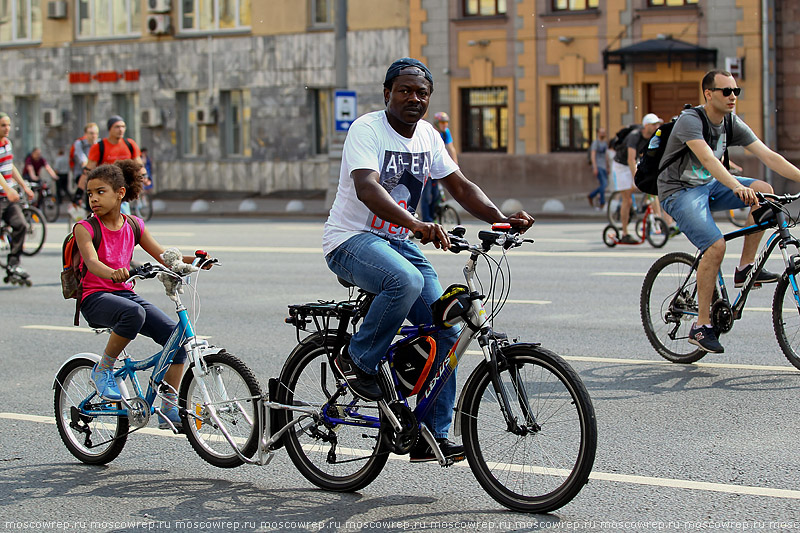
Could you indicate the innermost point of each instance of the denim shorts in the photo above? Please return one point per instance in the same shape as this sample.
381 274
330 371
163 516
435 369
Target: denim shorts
692 208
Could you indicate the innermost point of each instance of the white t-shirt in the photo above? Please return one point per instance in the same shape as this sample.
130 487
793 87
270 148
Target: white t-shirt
403 165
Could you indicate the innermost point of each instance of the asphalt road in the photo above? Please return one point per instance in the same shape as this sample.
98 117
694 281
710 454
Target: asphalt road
709 446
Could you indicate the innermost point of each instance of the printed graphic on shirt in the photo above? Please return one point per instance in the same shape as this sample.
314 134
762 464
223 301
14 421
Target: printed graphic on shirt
697 173
403 175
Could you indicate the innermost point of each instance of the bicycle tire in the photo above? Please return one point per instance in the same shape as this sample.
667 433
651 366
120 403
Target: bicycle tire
663 312
314 445
545 468
36 232
657 233
50 207
738 217
610 235
234 392
786 319
72 386
449 217
144 207
613 205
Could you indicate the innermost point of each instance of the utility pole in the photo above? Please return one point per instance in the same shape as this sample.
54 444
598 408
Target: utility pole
340 60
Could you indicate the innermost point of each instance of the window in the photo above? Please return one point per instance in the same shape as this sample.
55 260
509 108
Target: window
486 124
576 116
214 15
321 13
484 8
670 3
83 111
20 20
574 5
323 119
126 106
235 122
107 18
25 122
191 135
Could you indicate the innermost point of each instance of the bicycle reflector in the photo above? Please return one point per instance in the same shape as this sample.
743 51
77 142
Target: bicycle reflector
452 306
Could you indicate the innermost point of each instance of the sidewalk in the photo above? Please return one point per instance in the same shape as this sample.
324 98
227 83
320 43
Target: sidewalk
563 207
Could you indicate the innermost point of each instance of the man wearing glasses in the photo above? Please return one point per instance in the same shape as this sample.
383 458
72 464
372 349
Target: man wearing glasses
698 183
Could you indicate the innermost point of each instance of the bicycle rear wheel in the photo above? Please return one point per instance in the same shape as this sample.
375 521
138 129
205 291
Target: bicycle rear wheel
234 392
144 207
336 448
448 217
50 207
657 231
93 440
668 306
786 317
545 463
36 233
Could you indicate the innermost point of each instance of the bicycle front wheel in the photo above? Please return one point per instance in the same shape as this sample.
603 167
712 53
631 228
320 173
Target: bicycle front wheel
36 232
668 306
93 440
51 208
786 317
338 446
448 217
544 462
657 232
233 391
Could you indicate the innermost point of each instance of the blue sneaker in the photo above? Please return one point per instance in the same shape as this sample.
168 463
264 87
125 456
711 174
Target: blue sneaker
105 384
170 412
705 338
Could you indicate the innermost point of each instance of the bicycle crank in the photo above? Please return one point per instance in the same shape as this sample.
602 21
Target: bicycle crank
138 412
721 316
400 442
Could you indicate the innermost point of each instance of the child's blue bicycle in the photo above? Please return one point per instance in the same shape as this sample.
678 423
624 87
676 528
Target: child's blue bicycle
219 399
527 422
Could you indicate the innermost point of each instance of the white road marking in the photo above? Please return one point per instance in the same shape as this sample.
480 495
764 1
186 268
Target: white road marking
600 476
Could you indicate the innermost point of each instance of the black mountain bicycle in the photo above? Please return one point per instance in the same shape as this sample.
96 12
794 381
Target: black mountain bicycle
668 301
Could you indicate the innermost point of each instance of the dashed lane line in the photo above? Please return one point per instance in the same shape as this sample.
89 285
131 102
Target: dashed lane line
707 486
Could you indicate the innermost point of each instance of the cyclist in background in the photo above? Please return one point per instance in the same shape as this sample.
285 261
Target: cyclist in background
10 211
114 148
430 194
387 158
79 158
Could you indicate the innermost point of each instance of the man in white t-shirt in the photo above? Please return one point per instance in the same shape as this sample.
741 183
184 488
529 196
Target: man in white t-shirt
387 157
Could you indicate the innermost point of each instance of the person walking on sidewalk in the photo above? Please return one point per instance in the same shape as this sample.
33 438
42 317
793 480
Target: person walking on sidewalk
598 153
387 157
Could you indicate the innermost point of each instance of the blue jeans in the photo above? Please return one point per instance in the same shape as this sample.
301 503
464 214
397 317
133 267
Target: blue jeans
405 285
430 197
602 177
691 208
128 314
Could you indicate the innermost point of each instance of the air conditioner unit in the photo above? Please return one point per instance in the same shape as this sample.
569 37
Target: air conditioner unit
52 117
205 115
57 9
159 6
159 24
150 117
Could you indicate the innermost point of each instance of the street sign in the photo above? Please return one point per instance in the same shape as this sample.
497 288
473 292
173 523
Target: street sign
344 109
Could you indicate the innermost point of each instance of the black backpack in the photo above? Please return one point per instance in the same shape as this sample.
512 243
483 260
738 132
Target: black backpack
650 165
618 140
102 149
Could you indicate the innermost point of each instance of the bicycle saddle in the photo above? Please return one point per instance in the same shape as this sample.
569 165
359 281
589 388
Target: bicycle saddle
344 283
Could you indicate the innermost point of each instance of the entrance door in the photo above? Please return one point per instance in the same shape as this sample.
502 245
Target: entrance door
667 99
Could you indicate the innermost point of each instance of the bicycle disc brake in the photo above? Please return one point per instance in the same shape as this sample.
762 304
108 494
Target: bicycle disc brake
721 316
400 443
138 412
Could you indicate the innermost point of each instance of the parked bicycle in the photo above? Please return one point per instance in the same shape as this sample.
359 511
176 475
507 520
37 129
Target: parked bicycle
45 200
648 227
36 232
526 419
219 399
668 301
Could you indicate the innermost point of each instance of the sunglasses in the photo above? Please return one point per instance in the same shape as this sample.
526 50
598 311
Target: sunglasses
726 91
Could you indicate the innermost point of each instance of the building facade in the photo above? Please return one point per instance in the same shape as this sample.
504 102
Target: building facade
237 95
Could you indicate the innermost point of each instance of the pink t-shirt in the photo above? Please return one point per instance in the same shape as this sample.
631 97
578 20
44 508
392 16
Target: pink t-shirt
115 251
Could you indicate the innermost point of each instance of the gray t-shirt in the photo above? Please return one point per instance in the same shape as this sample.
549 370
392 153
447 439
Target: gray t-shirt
688 172
601 147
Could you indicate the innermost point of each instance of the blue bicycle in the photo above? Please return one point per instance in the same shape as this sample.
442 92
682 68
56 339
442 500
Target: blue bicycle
219 399
527 421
